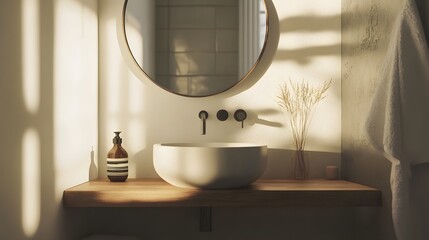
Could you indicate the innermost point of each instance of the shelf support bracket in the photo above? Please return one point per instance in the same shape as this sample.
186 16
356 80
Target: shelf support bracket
205 219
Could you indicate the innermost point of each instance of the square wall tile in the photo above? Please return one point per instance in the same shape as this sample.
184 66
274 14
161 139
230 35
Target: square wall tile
227 40
161 17
203 85
202 63
192 17
227 63
179 64
162 63
227 17
178 84
189 40
200 85
161 2
161 41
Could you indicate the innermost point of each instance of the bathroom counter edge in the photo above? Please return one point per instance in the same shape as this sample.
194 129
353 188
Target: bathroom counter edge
262 193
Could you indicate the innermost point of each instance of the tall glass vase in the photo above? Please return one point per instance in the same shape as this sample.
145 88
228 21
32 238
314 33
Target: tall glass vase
301 165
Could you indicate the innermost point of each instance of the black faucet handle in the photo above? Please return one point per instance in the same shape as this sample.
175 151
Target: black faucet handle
240 115
222 115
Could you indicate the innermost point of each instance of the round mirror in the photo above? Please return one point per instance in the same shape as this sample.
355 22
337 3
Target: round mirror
196 47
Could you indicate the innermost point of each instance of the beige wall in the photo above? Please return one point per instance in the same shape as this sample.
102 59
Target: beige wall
305 43
48 102
306 47
366 28
54 117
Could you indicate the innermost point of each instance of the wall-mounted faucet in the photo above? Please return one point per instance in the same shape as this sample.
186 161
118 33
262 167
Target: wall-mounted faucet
222 115
240 115
203 115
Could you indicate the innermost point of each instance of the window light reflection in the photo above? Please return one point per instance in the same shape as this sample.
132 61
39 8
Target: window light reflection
31 54
31 196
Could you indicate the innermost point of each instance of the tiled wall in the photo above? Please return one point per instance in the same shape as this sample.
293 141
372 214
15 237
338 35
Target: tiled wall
196 45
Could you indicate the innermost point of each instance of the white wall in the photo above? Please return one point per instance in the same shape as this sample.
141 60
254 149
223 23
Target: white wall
305 42
48 100
365 36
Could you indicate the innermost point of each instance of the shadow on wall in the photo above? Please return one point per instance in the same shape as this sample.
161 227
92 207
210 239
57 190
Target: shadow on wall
308 24
305 24
160 112
254 117
367 40
30 207
366 32
281 165
27 99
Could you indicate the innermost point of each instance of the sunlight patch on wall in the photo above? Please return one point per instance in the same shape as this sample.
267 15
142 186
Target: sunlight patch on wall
123 95
75 91
114 87
308 40
31 54
31 182
135 134
309 7
135 96
309 48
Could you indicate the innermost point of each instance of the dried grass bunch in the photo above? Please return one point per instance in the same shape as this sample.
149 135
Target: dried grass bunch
299 101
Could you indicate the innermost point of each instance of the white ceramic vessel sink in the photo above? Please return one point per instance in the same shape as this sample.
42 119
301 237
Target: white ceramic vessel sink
210 165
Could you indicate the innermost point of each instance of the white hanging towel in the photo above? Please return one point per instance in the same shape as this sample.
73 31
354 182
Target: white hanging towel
398 121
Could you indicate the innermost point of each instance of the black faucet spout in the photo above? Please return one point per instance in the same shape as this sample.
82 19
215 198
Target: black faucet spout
203 115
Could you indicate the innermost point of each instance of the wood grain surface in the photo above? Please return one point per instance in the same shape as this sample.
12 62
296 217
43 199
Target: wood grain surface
263 193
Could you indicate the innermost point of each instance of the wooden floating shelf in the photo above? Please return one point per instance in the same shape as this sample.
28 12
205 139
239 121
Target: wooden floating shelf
263 193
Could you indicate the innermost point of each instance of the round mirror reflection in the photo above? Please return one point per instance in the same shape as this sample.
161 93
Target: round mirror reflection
196 47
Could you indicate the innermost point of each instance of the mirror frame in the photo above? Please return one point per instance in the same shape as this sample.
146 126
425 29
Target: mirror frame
249 72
